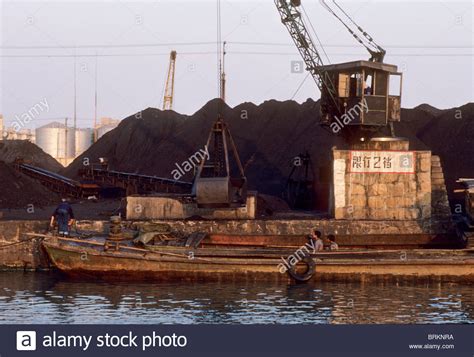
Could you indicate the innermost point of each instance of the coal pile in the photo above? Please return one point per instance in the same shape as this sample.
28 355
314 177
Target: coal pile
450 134
10 150
20 191
268 137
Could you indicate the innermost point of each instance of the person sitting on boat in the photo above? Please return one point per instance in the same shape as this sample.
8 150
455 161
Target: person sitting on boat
64 216
318 244
333 246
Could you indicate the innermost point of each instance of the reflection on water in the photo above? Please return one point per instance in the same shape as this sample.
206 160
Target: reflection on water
46 298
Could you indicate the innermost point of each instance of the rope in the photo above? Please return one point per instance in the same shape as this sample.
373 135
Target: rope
17 243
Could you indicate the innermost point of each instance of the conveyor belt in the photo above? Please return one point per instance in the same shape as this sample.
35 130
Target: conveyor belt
59 183
45 173
135 183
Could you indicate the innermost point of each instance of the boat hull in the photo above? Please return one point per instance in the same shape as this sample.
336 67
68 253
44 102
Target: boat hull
83 261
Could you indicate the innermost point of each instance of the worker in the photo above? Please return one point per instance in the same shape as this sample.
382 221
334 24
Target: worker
318 244
64 216
333 246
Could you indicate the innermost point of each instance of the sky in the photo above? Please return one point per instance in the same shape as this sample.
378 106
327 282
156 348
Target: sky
47 47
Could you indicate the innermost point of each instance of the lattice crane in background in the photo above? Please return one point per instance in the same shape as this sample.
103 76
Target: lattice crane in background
169 88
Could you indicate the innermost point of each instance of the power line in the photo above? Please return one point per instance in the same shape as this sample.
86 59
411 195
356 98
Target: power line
347 45
108 55
235 53
358 54
276 44
110 46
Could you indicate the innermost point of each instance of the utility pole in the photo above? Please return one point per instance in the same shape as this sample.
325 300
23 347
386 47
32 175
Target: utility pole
75 94
65 141
223 78
95 99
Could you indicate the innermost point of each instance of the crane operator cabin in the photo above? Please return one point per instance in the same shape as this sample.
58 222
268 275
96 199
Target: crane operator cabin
346 88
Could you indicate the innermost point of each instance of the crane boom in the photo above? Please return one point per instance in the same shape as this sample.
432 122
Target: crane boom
292 19
169 89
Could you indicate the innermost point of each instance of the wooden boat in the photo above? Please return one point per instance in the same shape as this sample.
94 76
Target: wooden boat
100 258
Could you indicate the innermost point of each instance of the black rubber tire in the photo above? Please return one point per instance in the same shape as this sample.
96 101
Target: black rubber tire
310 263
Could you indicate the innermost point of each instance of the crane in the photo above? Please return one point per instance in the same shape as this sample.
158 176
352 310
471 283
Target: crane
169 87
356 94
220 180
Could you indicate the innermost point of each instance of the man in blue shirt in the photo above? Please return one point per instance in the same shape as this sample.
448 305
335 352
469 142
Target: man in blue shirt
64 216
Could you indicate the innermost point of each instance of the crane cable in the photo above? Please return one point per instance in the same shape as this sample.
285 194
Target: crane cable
315 33
301 85
358 39
326 6
366 35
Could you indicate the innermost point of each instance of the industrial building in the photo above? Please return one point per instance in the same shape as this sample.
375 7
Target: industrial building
64 143
8 133
106 124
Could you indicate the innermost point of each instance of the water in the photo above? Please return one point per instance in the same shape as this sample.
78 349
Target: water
29 298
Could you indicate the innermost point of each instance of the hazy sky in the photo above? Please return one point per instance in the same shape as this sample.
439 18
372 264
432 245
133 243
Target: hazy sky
430 41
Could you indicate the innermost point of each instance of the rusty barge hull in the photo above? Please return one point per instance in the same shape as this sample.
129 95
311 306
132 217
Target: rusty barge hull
180 263
353 241
77 261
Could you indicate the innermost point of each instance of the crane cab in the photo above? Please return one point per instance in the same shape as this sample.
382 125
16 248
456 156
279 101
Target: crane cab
361 93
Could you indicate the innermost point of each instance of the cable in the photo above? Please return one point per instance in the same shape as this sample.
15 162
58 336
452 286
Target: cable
242 53
111 55
366 35
356 37
301 85
276 44
17 243
315 33
110 46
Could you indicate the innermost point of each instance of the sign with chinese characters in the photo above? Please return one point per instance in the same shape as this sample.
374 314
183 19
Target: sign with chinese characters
382 162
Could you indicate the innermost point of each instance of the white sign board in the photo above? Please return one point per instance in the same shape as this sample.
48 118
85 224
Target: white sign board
382 162
339 183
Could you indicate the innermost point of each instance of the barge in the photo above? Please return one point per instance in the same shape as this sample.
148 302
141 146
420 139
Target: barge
196 258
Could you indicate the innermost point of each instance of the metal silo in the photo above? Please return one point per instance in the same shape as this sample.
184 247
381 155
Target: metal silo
84 139
57 140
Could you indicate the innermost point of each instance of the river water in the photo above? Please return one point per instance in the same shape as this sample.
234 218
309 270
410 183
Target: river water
29 298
